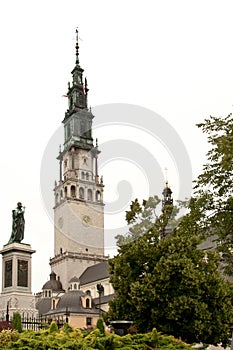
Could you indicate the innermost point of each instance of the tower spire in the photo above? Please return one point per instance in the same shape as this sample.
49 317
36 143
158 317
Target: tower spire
77 89
77 48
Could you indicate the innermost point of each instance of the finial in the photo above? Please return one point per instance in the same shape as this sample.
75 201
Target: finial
77 47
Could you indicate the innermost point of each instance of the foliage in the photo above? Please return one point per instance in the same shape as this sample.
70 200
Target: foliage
213 188
17 322
6 336
93 340
171 284
145 217
100 325
53 327
67 328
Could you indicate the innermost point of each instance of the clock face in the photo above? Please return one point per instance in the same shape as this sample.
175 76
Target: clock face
86 220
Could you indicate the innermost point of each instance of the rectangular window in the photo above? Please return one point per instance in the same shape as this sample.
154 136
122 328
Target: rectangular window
22 280
89 321
8 273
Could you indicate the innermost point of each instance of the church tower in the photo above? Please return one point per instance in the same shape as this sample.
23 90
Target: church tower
79 208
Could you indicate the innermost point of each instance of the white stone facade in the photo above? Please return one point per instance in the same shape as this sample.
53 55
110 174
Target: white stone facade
16 281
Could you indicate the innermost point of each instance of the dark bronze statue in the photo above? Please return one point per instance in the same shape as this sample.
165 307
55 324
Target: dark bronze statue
18 223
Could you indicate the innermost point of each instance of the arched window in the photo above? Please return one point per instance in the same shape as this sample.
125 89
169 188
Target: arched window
87 176
46 293
98 196
89 195
56 198
65 192
49 293
81 192
88 292
73 191
82 175
87 303
75 286
54 304
61 194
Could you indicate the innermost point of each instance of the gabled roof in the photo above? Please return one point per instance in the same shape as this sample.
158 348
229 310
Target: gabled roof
94 273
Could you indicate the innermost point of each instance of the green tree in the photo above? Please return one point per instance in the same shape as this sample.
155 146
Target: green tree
100 325
146 216
213 199
17 322
172 285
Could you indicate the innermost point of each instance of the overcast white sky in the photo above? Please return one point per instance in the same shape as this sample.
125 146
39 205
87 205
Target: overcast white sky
172 57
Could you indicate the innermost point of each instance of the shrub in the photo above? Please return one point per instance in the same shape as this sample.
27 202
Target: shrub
7 336
53 327
17 322
67 328
100 325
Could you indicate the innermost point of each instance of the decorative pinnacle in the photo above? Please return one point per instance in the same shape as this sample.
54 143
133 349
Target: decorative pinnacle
77 47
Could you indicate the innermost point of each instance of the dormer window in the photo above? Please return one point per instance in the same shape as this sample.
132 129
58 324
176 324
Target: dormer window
87 303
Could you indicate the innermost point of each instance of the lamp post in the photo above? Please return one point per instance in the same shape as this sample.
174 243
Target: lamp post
100 290
67 314
7 311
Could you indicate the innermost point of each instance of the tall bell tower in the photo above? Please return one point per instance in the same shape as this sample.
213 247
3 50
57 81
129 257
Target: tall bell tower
79 208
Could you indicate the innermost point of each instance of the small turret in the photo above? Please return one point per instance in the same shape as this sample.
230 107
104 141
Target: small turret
167 196
166 201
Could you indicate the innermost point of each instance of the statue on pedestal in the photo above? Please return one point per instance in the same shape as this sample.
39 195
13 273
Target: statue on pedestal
18 224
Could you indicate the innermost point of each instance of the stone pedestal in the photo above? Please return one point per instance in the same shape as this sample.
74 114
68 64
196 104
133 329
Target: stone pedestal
16 281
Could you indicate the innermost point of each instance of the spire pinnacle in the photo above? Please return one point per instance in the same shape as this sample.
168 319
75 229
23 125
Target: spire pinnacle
77 47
